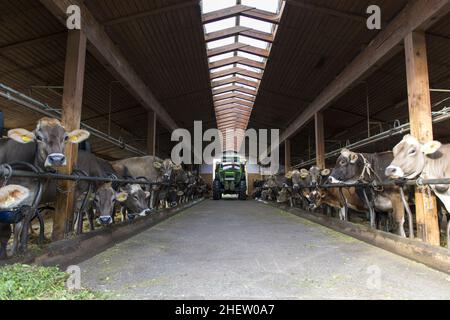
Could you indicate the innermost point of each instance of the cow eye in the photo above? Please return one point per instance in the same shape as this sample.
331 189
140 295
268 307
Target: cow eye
412 151
39 138
66 138
136 198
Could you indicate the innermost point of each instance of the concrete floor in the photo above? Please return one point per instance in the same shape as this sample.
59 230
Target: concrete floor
233 249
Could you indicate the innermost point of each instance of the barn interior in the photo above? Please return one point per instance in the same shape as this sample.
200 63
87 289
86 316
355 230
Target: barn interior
311 68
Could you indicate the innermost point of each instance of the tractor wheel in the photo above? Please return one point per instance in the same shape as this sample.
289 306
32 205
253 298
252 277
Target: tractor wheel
243 190
217 193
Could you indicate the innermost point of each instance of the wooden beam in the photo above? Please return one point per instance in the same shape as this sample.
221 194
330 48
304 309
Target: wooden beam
149 13
151 134
287 156
416 15
238 47
328 11
71 118
239 30
240 10
234 95
320 140
237 60
233 111
234 101
254 84
33 42
104 49
234 88
420 119
236 70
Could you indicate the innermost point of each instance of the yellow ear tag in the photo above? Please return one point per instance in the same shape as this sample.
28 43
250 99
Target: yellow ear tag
74 138
26 138
122 197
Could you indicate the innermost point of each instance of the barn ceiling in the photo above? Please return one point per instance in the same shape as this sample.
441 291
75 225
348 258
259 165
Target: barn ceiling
256 64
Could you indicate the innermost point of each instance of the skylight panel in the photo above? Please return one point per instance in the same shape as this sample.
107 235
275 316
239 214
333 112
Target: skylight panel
256 24
221 69
220 25
249 68
253 42
266 5
244 86
221 42
214 5
222 78
250 56
221 57
245 77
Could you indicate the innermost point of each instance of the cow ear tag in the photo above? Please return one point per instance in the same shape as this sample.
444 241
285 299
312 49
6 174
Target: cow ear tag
121 197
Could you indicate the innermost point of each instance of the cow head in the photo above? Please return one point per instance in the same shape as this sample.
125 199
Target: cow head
317 177
410 156
166 168
51 138
12 196
104 200
136 199
298 178
348 167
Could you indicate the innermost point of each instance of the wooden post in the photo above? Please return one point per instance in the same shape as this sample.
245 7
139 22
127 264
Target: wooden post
320 140
287 155
71 117
151 134
421 127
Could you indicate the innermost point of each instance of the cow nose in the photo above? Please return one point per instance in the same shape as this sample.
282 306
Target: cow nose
392 171
105 220
57 159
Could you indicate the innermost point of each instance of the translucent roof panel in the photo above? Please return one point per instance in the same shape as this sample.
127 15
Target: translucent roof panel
253 42
213 5
221 42
245 77
221 68
222 78
244 86
220 25
249 68
250 56
267 5
256 24
221 57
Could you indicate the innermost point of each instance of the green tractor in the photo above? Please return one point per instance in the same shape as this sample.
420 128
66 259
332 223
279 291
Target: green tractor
230 177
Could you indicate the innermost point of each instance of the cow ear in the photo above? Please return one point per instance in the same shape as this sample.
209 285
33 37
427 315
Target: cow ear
157 164
304 173
21 135
12 195
122 196
147 194
325 172
353 157
431 147
78 136
288 175
177 167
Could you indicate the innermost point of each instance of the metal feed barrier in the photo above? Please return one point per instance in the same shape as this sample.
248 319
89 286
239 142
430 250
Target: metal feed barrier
22 216
372 186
